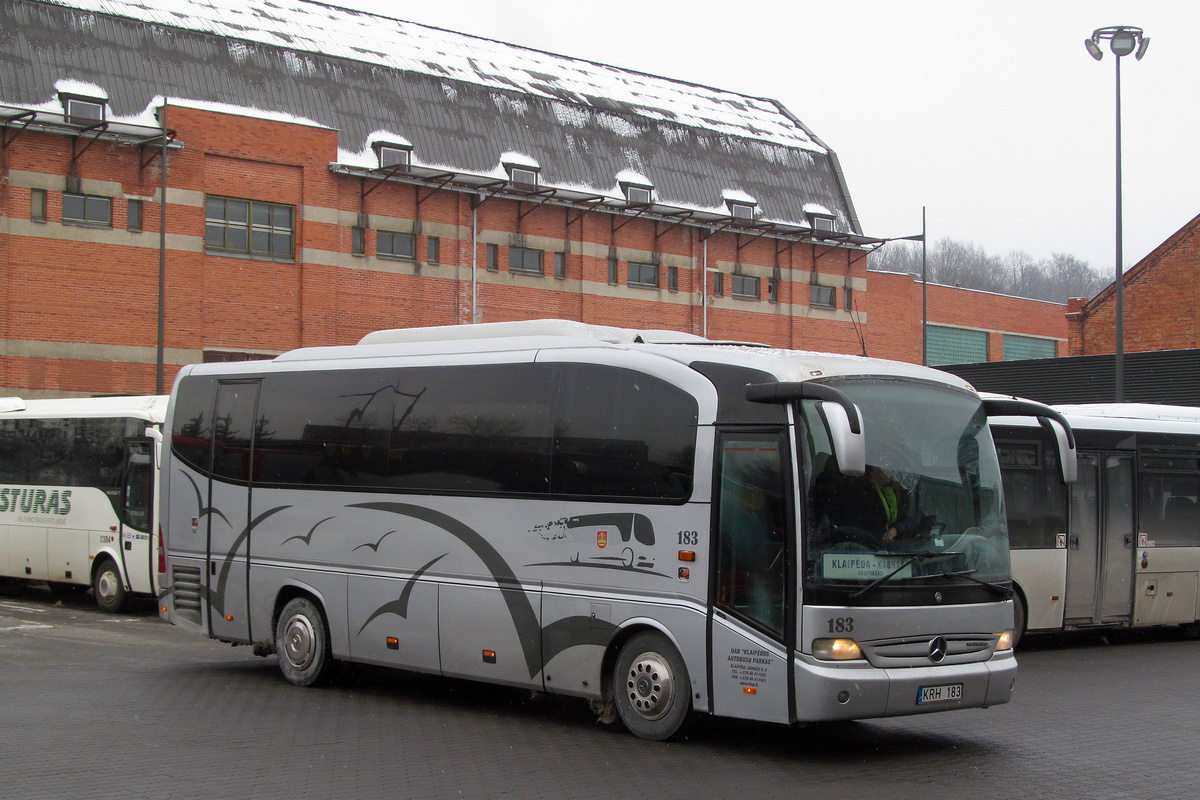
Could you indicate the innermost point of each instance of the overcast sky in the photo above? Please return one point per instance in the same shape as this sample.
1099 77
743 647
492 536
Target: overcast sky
990 114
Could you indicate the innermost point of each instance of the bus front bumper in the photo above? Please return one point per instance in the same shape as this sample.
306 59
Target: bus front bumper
857 690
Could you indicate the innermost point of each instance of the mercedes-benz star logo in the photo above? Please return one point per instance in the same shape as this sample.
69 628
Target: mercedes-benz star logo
937 649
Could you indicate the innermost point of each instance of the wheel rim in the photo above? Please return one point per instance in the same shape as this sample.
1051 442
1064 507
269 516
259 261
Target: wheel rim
107 585
299 642
650 686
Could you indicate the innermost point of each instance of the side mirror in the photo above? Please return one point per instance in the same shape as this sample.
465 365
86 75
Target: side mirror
1067 462
1064 438
849 446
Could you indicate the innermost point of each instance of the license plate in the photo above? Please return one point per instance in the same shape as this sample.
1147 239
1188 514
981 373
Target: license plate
939 694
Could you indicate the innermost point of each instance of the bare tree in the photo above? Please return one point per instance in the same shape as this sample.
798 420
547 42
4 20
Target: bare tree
954 263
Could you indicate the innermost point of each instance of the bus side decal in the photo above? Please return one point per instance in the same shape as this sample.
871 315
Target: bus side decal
217 598
203 512
569 632
400 606
519 607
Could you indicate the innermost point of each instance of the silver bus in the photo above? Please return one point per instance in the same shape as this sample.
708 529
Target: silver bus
77 489
655 522
1121 547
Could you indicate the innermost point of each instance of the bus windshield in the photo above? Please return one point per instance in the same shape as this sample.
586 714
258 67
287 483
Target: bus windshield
926 522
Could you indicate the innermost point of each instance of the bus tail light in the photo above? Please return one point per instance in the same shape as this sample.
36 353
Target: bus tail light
162 553
836 649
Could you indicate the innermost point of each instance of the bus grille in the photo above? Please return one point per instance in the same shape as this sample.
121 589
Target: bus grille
915 651
186 582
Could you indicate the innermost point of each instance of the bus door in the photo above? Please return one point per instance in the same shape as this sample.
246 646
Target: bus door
137 502
1100 546
750 647
230 498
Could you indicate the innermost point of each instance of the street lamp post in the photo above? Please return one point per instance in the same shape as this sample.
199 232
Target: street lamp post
1122 40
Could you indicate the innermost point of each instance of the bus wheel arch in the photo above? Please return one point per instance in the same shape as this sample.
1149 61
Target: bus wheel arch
107 585
649 683
1020 614
302 640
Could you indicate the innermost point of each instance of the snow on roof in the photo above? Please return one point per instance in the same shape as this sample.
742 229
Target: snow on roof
307 26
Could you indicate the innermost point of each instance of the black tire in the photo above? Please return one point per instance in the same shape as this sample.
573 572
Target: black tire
651 688
302 642
1019 620
108 588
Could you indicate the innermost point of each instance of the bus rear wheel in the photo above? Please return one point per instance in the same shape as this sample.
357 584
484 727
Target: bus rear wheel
108 588
651 688
302 642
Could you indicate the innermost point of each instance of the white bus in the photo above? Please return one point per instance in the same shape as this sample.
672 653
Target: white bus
1121 547
653 521
77 489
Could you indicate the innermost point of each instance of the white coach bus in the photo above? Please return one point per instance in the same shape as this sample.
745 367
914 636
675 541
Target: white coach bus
649 520
1119 548
77 489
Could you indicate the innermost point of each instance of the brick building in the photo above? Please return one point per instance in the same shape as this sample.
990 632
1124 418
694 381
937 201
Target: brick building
1161 299
329 172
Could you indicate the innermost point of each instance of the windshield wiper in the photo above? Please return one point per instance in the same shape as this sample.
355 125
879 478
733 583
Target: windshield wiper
998 588
916 557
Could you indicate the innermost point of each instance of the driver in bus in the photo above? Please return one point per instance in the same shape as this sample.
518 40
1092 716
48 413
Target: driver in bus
878 505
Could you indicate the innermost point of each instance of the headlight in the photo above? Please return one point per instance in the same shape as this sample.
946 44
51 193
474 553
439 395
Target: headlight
1005 642
836 649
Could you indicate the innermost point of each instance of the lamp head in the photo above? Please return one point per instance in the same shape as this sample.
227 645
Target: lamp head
1093 49
1123 43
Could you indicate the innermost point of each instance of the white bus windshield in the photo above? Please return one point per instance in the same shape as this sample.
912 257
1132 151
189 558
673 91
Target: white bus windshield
927 514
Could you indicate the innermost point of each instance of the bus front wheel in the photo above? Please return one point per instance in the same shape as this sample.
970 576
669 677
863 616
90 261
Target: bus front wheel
302 642
651 688
107 587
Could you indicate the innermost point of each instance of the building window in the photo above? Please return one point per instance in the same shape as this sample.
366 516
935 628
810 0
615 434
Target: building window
391 154
822 296
83 110
37 205
88 210
249 226
945 345
433 250
522 177
133 217
773 290
744 287
741 210
1019 348
672 279
612 271
560 265
523 259
641 274
848 298
395 245
820 222
358 240
638 194
493 258
718 284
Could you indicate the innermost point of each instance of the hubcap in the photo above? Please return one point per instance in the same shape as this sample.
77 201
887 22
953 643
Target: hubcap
650 686
107 585
299 642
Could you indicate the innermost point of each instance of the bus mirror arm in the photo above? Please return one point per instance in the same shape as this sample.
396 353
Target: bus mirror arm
156 435
842 418
1048 418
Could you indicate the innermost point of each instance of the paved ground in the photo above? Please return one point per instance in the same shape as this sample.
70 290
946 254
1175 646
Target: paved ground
95 706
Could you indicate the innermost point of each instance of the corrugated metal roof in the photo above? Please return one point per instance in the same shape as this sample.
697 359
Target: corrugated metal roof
1170 376
461 101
